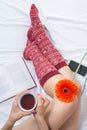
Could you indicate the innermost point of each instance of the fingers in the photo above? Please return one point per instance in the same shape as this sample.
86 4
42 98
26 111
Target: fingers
46 101
29 113
42 100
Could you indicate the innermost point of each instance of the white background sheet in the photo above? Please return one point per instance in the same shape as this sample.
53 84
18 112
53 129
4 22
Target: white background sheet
65 20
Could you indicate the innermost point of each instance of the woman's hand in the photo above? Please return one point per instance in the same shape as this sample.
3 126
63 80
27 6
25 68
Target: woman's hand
16 113
43 103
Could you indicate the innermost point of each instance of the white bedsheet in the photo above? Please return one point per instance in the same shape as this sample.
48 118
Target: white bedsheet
67 24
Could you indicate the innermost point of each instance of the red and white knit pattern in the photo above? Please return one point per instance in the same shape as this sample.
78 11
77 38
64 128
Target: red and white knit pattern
37 33
43 68
33 15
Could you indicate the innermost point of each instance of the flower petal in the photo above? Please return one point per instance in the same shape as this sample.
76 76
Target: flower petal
66 90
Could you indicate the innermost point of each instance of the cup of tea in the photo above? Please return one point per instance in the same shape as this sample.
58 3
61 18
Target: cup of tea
27 102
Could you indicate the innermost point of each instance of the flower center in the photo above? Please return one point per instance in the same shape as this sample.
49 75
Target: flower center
66 90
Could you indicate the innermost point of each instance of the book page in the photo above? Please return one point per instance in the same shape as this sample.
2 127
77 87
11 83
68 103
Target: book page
14 77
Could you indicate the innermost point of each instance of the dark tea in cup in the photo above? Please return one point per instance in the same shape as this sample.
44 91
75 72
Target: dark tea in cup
27 102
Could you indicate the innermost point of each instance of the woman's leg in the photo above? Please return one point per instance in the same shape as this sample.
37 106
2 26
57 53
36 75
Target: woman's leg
53 56
28 124
48 76
63 110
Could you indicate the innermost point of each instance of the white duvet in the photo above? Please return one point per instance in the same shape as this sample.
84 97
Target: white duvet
66 22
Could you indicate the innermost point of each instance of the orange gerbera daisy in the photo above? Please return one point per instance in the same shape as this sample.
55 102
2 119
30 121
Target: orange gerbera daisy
66 90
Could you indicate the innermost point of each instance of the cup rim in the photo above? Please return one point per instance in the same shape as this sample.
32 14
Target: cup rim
19 102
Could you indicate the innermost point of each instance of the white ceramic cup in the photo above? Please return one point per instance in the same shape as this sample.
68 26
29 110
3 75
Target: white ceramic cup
27 102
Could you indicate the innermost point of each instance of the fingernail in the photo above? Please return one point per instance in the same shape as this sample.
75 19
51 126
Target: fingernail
34 112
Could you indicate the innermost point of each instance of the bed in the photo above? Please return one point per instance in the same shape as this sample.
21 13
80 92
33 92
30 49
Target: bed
66 22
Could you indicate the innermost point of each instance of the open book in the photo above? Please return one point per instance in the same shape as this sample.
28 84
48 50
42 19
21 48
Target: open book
15 76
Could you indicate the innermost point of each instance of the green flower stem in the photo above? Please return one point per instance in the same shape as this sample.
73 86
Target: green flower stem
73 78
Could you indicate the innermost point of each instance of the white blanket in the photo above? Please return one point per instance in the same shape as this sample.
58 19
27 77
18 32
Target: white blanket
66 22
